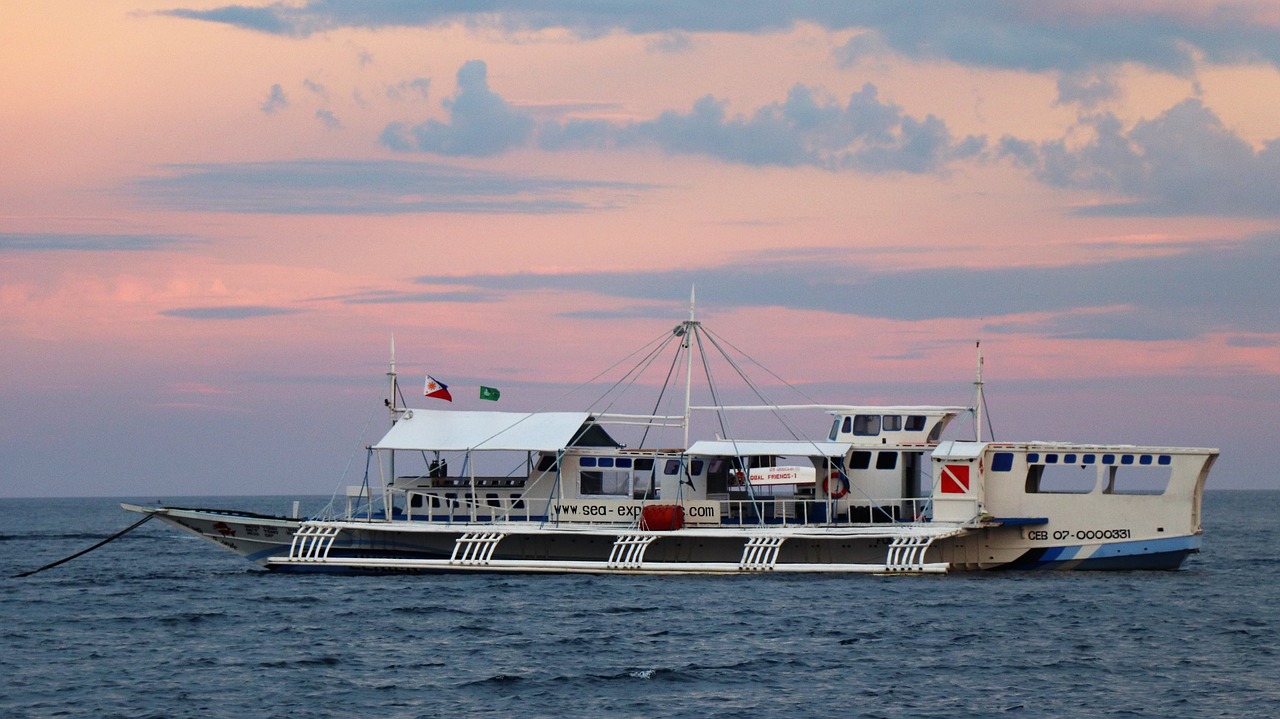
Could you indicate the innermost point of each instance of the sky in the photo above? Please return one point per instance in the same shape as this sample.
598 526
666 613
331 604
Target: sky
215 217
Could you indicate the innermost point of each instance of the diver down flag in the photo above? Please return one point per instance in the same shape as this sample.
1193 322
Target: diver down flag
489 393
955 479
437 389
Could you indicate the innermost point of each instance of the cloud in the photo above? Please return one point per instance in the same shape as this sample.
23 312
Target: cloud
394 297
481 123
1203 289
268 19
78 242
1087 89
1055 35
1184 162
316 88
368 187
417 89
276 100
228 312
865 135
329 120
672 42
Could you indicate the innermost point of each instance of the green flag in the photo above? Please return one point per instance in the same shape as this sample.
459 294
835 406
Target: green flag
490 393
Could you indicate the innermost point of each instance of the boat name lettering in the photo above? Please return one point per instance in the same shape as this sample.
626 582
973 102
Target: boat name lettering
1102 534
598 510
698 512
1040 535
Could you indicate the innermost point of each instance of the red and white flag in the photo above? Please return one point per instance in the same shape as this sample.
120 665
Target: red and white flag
437 389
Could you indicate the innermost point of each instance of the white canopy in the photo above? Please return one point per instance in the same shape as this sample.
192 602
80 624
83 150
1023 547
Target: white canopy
452 430
760 448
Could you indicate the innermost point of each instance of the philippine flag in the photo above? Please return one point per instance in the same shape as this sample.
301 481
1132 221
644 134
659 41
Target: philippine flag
436 389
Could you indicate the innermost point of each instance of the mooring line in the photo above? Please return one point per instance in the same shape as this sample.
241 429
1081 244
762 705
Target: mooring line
117 535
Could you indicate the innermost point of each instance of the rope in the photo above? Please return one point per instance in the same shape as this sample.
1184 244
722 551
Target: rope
115 536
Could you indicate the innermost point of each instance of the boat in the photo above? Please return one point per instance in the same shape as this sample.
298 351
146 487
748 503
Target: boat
881 491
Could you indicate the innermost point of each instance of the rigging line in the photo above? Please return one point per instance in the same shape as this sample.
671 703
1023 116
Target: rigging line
753 361
982 397
632 376
666 382
711 383
659 341
113 537
720 415
782 419
329 509
796 434
644 363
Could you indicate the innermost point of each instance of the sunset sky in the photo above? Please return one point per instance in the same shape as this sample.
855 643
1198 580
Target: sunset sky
214 217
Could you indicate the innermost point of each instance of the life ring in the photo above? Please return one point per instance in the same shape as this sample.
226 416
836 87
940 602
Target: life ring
842 486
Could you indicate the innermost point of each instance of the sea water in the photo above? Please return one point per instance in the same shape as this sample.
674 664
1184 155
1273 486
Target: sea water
162 624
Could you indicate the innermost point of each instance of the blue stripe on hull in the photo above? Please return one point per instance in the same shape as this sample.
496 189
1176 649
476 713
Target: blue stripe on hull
1143 554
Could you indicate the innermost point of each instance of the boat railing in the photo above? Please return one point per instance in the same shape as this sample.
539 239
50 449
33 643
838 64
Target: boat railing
823 512
433 507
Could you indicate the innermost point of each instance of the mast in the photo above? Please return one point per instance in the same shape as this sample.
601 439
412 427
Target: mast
391 405
391 378
688 367
977 390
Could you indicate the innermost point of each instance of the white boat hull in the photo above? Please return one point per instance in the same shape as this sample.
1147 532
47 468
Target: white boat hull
279 544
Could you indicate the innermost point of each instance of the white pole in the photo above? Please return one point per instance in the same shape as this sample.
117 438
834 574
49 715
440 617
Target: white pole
977 412
386 496
688 372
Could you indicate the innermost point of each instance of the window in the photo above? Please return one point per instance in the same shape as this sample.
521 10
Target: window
866 425
936 433
644 464
673 467
1140 478
547 463
847 427
891 423
586 461
915 422
1059 478
605 483
860 460
590 483
887 460
606 461
1002 462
